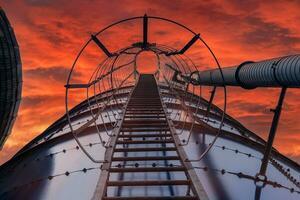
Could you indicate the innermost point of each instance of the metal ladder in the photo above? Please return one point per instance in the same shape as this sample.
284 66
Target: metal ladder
145 154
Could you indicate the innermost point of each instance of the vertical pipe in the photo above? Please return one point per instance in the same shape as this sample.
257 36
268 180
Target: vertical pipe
210 101
145 31
277 112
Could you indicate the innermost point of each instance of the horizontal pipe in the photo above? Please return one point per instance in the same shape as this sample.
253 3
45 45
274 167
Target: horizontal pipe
276 72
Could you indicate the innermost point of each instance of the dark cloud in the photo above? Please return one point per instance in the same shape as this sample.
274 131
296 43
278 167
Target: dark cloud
214 13
259 124
55 73
39 2
161 32
248 106
54 37
29 101
267 34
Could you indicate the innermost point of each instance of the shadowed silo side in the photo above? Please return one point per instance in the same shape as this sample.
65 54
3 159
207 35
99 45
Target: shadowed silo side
10 77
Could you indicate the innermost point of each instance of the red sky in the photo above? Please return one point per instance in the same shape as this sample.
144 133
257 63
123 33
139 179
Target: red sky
51 32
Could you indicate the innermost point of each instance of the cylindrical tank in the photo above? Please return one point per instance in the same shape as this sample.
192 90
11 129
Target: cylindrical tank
10 77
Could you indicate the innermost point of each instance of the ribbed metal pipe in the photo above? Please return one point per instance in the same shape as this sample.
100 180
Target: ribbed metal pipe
276 72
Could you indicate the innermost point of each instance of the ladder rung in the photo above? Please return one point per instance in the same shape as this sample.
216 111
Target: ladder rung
144 141
153 98
144 121
145 158
146 116
144 125
145 130
145 112
144 135
148 183
152 198
144 104
144 109
147 169
148 99
145 149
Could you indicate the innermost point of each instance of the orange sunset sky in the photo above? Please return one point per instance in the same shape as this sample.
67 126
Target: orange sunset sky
51 32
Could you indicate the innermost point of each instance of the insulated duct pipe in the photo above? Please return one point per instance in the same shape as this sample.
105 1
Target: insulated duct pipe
277 72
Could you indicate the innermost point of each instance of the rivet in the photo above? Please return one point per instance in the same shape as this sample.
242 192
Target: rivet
240 174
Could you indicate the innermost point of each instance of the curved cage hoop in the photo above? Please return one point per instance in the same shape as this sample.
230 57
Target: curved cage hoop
106 102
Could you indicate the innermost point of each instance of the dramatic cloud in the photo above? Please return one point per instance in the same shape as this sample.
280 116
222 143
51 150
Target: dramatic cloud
51 32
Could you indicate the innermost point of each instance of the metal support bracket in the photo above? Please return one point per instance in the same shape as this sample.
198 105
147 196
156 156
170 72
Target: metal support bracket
101 46
268 149
237 78
186 47
213 92
145 32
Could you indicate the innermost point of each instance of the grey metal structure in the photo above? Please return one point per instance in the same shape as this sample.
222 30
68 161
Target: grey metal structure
148 136
10 78
276 72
